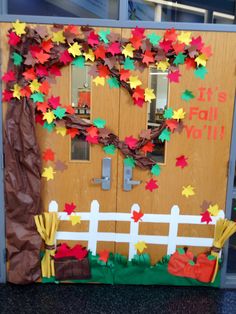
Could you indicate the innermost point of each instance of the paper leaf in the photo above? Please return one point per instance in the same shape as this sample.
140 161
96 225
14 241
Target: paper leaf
165 135
179 59
170 34
137 215
99 81
162 65
151 185
134 81
42 57
49 116
17 58
200 72
65 57
13 39
174 76
69 208
168 113
92 131
114 48
187 95
129 64
9 76
148 57
48 173
127 51
140 246
124 75
131 142
34 86
154 38
79 62
103 35
206 217
37 97
58 37
89 55
214 210
54 101
113 82
16 91
75 219
188 191
184 37
148 147
60 166
181 161
61 130
19 28
104 255
109 149
59 112
149 94
93 38
156 170
172 124
99 123
100 52
49 126
201 60
73 132
129 161
48 154
179 114
92 139
75 50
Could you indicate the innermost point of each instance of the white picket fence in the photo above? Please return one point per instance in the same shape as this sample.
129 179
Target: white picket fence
172 240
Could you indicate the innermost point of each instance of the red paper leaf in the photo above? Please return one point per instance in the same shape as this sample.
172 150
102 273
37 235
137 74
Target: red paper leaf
69 208
25 91
29 74
151 185
138 31
190 63
48 154
72 29
13 39
131 142
47 45
114 48
138 102
103 70
148 57
33 50
9 76
137 215
170 34
7 95
100 52
178 47
39 119
138 93
73 132
181 161
41 70
206 217
54 101
69 109
197 42
42 106
148 147
166 45
172 124
65 57
124 74
54 70
207 51
104 255
93 39
42 57
44 87
92 131
92 140
136 42
174 76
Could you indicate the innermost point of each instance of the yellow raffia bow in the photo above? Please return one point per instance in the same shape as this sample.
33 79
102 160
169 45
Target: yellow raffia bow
47 225
223 230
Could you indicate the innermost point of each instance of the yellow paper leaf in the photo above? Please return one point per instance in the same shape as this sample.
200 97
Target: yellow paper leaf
179 114
48 173
99 81
188 191
34 86
184 37
149 94
214 210
162 65
128 51
75 49
134 81
201 60
49 116
75 219
140 246
89 55
58 37
19 28
16 91
61 130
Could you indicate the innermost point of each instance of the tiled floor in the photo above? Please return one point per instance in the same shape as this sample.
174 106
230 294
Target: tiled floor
114 299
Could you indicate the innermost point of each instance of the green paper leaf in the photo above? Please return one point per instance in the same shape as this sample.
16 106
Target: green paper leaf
234 208
191 262
99 123
200 72
59 112
154 38
37 97
103 35
187 95
179 59
109 149
181 251
79 62
129 64
165 135
49 126
211 257
156 170
17 58
113 82
168 113
129 161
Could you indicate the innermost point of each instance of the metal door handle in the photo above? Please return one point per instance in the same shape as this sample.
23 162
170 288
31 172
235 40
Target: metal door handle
128 182
105 180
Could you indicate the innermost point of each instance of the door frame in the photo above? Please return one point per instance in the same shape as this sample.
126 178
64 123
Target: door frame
123 22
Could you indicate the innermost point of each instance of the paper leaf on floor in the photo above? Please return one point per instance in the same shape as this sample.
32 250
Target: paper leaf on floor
214 210
48 154
187 95
19 27
60 166
75 219
181 161
200 72
131 142
156 170
206 217
69 208
48 173
137 215
188 191
151 185
104 255
129 161
109 149
154 38
140 246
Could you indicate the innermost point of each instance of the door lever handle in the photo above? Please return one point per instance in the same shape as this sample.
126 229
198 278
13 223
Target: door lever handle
128 182
105 180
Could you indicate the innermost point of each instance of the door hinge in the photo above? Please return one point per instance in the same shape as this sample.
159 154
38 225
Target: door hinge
2 161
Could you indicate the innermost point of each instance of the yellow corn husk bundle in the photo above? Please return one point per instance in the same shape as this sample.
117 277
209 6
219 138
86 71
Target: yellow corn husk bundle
223 230
47 225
